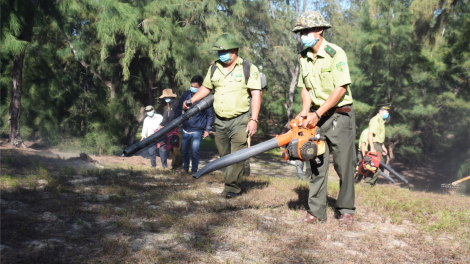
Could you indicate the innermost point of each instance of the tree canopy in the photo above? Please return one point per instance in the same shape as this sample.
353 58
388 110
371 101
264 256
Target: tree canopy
88 68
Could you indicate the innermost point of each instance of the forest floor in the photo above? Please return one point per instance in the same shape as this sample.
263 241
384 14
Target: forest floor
58 208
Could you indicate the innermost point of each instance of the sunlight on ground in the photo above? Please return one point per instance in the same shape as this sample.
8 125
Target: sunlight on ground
56 213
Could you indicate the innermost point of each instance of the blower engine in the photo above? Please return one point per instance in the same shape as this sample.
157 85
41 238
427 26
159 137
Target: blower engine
306 144
369 163
172 140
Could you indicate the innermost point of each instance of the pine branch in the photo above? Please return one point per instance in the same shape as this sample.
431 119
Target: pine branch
85 64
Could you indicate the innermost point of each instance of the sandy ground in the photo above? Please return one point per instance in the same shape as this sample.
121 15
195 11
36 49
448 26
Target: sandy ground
120 215
425 177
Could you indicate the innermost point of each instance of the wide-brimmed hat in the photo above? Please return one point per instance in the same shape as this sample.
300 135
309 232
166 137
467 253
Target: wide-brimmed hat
149 108
167 93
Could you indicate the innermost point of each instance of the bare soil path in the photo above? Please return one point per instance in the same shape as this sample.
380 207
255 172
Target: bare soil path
58 208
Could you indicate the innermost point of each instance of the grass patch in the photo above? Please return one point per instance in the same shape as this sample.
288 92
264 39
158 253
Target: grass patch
7 181
7 159
154 216
433 212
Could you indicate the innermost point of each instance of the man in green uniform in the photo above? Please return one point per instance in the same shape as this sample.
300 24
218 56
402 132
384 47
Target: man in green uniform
362 150
325 83
376 138
231 105
363 144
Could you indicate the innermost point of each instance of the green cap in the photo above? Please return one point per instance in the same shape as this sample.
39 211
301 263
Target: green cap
310 19
226 42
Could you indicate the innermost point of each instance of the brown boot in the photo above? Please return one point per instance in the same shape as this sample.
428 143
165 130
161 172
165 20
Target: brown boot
311 219
346 219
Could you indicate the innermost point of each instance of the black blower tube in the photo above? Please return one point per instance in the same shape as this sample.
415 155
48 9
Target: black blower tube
205 103
386 176
236 157
392 171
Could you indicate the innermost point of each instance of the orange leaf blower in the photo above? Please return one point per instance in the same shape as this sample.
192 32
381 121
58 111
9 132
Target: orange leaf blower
300 143
370 163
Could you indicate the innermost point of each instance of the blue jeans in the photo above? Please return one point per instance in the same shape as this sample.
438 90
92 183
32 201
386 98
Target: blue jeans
196 141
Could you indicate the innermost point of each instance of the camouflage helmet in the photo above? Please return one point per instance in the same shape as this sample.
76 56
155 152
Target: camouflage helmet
310 19
226 42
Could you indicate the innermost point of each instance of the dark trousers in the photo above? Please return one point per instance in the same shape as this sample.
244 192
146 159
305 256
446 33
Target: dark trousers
191 144
340 139
231 136
161 152
175 153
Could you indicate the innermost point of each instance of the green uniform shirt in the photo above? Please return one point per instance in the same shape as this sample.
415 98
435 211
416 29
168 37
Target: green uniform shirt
322 74
377 127
231 97
364 138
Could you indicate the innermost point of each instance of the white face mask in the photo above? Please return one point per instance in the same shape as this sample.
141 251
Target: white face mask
150 113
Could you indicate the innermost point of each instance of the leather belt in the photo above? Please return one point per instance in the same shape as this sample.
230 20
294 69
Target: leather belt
341 109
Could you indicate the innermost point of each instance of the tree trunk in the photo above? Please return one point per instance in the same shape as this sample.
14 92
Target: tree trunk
293 83
151 98
15 103
294 73
135 126
391 156
110 84
17 76
272 9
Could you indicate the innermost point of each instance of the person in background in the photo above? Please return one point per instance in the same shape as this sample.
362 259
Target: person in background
363 144
232 94
151 125
168 113
195 129
376 138
362 150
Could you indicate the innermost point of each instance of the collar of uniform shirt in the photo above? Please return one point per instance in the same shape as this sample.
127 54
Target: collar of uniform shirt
321 51
221 67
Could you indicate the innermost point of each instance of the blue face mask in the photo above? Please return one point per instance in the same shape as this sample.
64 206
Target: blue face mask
309 40
193 89
224 56
150 114
385 116
167 100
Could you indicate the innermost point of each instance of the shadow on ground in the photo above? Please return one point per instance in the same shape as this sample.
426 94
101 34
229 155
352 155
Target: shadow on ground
56 212
301 203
